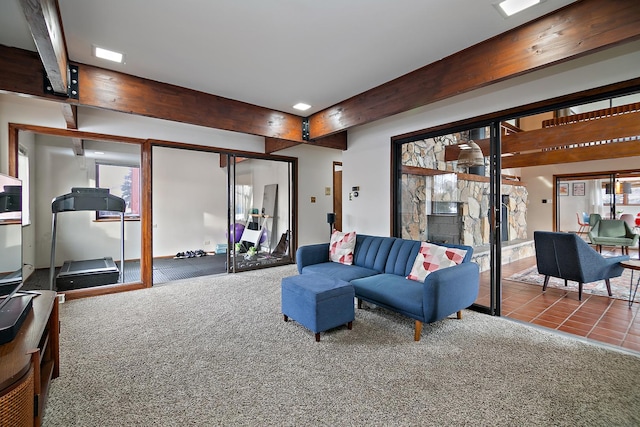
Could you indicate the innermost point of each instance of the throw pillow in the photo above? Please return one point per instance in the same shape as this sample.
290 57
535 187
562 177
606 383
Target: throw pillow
341 247
434 257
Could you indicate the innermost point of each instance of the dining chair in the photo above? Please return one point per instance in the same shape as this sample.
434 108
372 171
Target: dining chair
629 219
584 225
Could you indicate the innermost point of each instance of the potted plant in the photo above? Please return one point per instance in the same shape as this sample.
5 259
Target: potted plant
251 253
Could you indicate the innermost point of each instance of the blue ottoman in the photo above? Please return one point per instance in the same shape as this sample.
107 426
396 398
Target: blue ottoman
318 302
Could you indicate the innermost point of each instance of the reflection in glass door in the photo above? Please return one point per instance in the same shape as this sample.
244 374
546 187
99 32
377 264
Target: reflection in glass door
259 221
444 195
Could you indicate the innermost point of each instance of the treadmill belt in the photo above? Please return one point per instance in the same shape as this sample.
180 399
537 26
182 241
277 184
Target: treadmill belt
87 273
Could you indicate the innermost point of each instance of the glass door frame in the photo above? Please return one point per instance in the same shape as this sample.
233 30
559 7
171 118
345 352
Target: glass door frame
493 120
495 202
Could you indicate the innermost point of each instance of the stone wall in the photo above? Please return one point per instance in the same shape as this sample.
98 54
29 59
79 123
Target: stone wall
417 193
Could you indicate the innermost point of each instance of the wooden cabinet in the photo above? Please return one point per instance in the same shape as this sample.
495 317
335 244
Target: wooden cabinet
29 362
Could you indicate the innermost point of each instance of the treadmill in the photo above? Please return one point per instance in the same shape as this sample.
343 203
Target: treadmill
94 272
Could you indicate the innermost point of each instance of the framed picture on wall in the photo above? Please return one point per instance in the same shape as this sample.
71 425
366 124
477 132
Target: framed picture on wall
578 188
563 189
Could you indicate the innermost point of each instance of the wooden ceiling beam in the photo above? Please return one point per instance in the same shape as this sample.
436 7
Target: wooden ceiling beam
21 72
576 30
78 146
116 91
572 155
271 145
70 114
337 141
603 129
45 25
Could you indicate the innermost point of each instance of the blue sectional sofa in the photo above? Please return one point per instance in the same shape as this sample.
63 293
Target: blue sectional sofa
379 271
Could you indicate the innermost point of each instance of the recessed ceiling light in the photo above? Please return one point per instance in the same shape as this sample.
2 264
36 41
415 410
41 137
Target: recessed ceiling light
302 106
107 54
511 7
99 153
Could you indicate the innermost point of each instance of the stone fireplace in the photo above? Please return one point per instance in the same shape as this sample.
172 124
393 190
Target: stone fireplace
445 223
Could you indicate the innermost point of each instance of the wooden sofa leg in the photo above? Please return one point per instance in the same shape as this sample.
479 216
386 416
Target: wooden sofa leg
418 332
546 282
359 303
459 315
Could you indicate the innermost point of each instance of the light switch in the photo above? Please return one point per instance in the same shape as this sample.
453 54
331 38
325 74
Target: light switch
327 191
313 199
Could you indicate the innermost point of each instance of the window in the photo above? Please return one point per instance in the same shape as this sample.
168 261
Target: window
634 197
122 181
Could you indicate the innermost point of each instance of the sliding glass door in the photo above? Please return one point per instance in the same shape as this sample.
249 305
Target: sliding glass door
260 212
449 190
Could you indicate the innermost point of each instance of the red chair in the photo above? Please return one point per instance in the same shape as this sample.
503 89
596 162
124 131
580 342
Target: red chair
638 220
584 225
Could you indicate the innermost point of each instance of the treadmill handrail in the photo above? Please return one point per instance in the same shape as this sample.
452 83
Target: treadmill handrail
88 199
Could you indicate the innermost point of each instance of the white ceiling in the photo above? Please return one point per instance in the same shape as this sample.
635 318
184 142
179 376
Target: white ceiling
272 53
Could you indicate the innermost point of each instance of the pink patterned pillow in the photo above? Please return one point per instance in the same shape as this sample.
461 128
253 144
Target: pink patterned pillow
434 257
341 247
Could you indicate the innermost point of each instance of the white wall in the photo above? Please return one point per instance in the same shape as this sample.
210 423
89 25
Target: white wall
366 163
189 201
315 173
31 111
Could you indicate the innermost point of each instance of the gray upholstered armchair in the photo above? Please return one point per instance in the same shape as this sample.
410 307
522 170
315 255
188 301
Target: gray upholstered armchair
613 232
567 256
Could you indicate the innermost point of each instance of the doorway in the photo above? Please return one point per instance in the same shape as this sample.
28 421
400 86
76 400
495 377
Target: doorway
337 195
610 194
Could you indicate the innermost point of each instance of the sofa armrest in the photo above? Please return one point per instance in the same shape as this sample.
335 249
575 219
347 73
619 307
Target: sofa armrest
450 289
312 254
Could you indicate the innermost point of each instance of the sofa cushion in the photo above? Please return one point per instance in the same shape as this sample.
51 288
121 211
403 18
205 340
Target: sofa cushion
433 257
392 291
372 251
339 271
612 228
341 247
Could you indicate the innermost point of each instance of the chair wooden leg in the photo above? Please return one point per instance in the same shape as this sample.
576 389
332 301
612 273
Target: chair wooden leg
546 282
286 318
459 314
318 337
580 291
608 283
418 331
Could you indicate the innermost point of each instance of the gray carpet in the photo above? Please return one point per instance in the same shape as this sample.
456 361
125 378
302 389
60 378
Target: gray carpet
215 351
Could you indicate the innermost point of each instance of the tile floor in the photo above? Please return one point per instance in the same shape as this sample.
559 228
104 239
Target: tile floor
602 319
